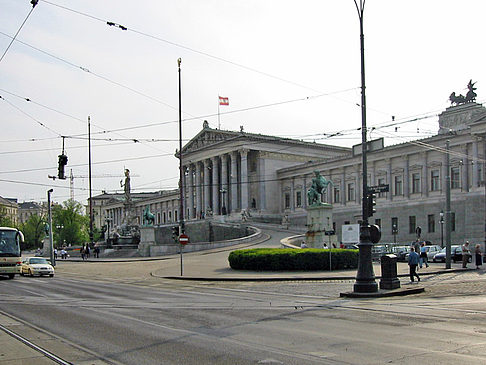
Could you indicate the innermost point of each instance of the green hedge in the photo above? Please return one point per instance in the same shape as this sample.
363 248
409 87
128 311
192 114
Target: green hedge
308 259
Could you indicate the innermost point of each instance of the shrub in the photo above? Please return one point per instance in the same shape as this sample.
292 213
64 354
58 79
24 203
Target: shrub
276 259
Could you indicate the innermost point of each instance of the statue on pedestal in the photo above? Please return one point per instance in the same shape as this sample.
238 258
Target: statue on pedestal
126 186
317 189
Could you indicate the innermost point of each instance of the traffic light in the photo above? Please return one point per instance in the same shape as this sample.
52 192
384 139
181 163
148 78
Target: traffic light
371 204
63 160
175 233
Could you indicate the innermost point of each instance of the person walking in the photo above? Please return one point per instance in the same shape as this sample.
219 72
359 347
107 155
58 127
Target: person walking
479 256
413 260
423 255
465 254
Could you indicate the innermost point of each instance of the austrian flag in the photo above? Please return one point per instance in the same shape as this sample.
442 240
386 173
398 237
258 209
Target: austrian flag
223 100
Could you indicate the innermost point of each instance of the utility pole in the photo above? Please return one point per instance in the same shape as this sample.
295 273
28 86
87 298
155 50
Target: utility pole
49 217
448 208
90 196
181 168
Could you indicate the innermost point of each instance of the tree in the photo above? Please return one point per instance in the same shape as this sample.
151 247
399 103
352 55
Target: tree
33 230
5 221
69 224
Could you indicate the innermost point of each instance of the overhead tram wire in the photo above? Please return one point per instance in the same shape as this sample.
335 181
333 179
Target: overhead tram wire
34 3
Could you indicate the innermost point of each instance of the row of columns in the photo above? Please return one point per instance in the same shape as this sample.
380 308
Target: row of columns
216 184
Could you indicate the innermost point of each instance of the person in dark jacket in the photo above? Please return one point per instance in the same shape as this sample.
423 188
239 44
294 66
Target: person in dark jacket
479 256
413 260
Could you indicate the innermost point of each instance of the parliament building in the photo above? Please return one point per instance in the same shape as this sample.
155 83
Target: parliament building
227 172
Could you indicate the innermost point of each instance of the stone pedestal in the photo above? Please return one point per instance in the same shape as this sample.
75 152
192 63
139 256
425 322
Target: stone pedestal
147 239
319 220
46 247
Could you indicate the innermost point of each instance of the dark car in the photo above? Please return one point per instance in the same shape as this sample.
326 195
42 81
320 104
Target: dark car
401 252
456 255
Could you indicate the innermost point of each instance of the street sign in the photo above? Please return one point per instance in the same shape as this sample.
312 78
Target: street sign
329 233
183 239
382 188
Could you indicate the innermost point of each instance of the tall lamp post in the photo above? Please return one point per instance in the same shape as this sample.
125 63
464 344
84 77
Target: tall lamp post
365 277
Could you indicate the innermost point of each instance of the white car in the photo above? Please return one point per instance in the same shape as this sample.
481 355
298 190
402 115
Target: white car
36 266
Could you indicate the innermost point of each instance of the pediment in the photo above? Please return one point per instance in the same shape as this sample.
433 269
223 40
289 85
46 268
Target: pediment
207 137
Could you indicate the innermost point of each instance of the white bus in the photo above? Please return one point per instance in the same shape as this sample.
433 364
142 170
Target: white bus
10 256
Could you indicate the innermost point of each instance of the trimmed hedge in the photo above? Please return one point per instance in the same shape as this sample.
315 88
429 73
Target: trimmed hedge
308 259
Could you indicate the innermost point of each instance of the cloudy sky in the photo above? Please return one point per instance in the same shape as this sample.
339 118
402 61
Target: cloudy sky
289 68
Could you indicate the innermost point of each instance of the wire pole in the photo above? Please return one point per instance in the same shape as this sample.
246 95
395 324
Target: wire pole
181 168
90 196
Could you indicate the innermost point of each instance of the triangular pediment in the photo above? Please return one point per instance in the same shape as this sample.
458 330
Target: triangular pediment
208 137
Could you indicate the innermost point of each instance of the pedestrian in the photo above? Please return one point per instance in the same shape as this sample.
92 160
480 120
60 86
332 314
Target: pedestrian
413 260
423 255
63 254
87 251
465 254
479 256
55 253
97 252
303 245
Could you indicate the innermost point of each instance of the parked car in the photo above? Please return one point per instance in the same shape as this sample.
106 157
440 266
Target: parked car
401 252
456 255
431 250
36 266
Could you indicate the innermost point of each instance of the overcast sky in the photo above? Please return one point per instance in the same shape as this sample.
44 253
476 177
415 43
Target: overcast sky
289 68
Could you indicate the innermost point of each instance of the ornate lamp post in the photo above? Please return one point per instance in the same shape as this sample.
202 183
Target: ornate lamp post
365 277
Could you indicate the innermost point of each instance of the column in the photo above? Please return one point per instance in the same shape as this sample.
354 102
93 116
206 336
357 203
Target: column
443 184
425 175
190 183
261 178
244 179
475 165
304 193
234 183
357 188
198 190
292 194
343 187
207 186
465 170
215 185
406 178
224 183
389 180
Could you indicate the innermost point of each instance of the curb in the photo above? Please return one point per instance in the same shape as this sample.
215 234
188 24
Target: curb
291 278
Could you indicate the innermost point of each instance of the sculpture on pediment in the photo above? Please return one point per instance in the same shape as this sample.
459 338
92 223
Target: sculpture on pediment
461 99
317 189
205 124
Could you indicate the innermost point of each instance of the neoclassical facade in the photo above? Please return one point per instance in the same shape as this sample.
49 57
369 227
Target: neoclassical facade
230 171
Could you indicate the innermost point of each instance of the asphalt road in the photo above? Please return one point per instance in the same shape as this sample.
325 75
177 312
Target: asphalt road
130 317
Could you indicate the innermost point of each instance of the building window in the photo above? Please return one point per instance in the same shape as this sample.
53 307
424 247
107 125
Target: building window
337 195
480 175
431 223
165 217
455 178
351 192
434 180
394 224
298 199
287 201
453 222
381 181
378 222
412 224
170 216
416 182
398 185
158 218
175 216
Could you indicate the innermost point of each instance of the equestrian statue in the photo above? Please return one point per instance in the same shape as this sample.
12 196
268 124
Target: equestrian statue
317 189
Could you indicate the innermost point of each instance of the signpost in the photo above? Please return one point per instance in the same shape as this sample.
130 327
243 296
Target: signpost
183 239
382 188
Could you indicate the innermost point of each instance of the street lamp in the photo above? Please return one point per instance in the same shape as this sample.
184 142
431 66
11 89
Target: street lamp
365 277
441 229
49 212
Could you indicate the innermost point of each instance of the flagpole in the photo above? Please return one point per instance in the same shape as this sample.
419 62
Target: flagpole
219 121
